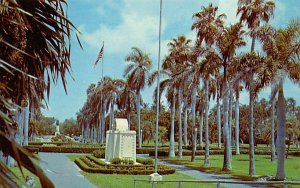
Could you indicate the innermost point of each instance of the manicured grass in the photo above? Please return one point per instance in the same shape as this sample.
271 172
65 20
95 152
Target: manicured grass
115 180
21 180
240 166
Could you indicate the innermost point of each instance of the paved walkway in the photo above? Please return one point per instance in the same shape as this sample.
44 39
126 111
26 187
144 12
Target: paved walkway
63 172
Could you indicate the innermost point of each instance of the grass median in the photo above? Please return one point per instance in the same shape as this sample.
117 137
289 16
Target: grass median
240 166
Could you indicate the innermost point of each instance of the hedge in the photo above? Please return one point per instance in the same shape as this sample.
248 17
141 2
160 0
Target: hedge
89 164
66 144
218 152
63 149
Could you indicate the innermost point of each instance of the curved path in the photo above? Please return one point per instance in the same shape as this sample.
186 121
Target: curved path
63 172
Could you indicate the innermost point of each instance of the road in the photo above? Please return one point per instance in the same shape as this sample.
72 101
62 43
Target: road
63 172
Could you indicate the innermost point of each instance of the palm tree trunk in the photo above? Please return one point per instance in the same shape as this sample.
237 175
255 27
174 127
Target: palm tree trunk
112 115
193 110
206 161
138 105
100 128
85 133
281 134
230 122
103 126
273 155
128 119
185 132
201 129
237 121
180 124
171 146
92 134
227 161
19 136
82 131
251 137
219 121
26 124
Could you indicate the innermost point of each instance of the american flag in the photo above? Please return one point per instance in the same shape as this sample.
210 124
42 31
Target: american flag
100 55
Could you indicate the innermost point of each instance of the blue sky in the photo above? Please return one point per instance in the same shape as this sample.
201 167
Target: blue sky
123 24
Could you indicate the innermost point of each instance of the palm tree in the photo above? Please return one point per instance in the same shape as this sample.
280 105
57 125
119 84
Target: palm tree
252 12
137 72
34 53
218 97
200 108
237 88
208 25
186 106
172 68
273 154
179 49
126 101
285 63
231 40
211 66
112 88
291 106
168 83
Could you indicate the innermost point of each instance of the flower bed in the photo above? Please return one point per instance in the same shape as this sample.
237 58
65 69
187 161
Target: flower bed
93 165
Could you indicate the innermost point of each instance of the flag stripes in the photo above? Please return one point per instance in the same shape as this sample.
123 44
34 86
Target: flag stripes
100 55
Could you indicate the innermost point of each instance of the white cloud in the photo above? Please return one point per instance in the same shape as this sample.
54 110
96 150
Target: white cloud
229 7
138 27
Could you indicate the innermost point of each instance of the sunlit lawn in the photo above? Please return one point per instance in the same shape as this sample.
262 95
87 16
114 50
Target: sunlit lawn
240 166
21 180
118 181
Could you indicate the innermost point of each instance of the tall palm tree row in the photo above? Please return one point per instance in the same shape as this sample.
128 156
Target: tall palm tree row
213 58
208 26
179 49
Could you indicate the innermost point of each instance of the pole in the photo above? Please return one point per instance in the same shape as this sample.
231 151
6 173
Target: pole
158 80
101 103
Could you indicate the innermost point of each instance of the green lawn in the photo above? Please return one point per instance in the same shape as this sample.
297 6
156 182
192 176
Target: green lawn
21 180
115 180
240 166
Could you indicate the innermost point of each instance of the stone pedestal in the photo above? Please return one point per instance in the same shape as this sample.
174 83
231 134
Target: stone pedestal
155 177
57 130
120 142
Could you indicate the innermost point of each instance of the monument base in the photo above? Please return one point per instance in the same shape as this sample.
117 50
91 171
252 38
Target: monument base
155 177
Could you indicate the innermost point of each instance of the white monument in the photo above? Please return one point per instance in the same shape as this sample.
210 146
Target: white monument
120 142
57 129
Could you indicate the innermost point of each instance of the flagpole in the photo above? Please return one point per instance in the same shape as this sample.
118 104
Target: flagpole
103 135
157 96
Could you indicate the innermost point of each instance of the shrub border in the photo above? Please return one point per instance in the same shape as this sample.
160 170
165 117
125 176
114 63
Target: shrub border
91 165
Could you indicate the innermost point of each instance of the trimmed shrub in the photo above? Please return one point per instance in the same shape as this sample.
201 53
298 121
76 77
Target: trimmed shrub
91 164
145 161
116 161
63 149
99 153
